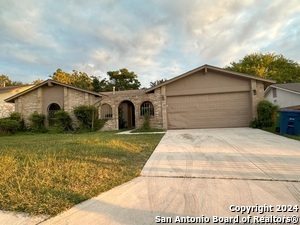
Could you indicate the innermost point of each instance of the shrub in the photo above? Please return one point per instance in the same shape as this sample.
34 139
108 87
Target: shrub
63 120
9 126
99 123
255 123
37 122
265 114
146 124
17 117
88 117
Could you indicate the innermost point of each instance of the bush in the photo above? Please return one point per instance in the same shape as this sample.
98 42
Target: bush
99 123
265 114
146 124
255 123
62 121
37 122
9 126
88 117
17 117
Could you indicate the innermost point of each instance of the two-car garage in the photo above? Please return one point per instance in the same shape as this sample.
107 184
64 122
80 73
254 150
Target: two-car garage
211 97
209 110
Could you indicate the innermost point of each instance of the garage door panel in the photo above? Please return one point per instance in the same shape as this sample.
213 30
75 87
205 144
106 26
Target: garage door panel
209 111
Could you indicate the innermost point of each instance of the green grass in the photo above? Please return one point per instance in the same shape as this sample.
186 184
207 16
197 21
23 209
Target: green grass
141 130
272 130
293 137
49 173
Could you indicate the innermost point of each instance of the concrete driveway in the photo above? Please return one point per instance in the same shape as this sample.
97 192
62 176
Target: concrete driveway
202 173
237 153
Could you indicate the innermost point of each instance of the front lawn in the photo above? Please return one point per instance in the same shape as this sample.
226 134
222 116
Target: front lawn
49 173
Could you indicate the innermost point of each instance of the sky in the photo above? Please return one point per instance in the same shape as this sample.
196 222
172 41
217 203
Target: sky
156 39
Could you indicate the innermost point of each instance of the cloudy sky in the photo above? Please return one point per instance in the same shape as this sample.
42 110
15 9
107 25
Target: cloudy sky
156 38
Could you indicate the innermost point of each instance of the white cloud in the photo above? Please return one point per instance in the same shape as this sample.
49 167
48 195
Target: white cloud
156 39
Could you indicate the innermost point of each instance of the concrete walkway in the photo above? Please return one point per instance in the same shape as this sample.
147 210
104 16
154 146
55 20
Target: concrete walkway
200 173
130 132
13 218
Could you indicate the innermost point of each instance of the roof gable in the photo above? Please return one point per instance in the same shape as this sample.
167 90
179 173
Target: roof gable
50 82
205 68
288 87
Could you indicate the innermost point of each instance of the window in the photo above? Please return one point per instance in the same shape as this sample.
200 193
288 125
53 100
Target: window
147 108
274 90
106 111
52 108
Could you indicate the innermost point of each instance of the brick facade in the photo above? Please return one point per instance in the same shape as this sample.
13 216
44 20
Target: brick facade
39 100
6 109
257 94
136 98
5 92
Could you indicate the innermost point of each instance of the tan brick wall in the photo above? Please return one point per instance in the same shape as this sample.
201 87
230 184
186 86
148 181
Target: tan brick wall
28 104
73 98
115 100
33 102
258 86
6 109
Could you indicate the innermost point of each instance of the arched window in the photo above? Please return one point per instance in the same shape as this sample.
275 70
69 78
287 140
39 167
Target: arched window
52 108
106 111
147 108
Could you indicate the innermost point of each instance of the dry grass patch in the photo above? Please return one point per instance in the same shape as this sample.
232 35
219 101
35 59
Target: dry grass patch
49 173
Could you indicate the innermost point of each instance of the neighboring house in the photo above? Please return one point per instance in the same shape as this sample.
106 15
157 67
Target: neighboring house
206 97
50 96
286 96
5 92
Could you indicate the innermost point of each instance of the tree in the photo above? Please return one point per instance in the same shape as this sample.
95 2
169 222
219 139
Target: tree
269 65
96 84
100 85
77 78
62 77
5 81
81 80
37 81
17 83
122 80
157 82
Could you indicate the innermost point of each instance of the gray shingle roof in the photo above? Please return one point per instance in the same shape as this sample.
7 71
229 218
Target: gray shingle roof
289 86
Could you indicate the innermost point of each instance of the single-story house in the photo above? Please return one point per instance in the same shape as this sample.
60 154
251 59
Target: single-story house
206 97
286 96
50 96
5 92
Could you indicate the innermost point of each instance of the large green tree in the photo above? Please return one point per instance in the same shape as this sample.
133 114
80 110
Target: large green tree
81 80
77 78
269 65
122 80
62 77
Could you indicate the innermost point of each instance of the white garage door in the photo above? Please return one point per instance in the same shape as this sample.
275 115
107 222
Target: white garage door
209 111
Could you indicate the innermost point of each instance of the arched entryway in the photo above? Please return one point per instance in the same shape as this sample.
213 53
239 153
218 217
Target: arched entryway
52 108
126 115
